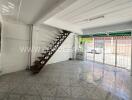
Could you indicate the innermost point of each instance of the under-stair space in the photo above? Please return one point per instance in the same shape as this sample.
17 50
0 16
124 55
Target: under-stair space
47 53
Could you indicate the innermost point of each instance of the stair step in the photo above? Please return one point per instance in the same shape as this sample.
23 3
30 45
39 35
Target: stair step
40 58
50 53
46 57
54 41
65 31
58 38
43 53
35 71
53 49
36 68
49 47
47 54
52 44
42 62
46 50
31 67
37 62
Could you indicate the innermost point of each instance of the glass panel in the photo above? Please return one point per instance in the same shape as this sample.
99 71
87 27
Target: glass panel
124 52
89 49
110 50
99 45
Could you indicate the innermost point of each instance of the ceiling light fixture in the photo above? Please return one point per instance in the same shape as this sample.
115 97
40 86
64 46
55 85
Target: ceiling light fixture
95 18
91 19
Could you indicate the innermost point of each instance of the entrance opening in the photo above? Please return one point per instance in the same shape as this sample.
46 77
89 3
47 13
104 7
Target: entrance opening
113 49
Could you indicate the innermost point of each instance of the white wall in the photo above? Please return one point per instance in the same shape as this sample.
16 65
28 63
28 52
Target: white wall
14 37
42 36
65 50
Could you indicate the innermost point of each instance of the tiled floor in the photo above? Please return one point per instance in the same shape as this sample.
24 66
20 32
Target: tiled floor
70 80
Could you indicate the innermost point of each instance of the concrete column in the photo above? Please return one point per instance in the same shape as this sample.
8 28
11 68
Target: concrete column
30 44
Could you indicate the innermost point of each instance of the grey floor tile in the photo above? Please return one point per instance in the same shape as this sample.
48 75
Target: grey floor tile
98 94
14 97
47 90
75 82
4 88
3 96
64 81
48 98
79 92
68 80
64 98
32 91
30 97
21 89
63 91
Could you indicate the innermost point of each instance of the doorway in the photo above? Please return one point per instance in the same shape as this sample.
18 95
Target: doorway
111 50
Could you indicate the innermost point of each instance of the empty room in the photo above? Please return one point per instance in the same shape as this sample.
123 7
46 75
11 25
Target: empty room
65 49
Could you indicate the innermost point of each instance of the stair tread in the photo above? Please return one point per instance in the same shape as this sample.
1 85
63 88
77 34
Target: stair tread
43 53
39 64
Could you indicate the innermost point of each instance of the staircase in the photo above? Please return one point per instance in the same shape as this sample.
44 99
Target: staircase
47 54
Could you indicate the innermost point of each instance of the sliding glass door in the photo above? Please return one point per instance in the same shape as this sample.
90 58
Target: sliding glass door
124 52
89 46
99 47
110 50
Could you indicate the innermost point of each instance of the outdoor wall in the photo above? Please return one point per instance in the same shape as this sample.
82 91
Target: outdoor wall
14 37
117 27
42 36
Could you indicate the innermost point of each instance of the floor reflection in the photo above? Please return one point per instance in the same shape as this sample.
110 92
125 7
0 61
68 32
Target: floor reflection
68 80
113 80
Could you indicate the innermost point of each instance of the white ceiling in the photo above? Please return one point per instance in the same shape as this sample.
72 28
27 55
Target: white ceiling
33 10
8 8
80 13
27 11
68 14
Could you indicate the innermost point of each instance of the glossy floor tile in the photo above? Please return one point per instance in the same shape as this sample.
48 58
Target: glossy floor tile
70 80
